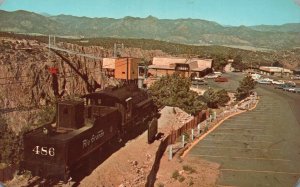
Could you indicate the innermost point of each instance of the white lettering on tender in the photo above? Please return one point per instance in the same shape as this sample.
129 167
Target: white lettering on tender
44 151
89 141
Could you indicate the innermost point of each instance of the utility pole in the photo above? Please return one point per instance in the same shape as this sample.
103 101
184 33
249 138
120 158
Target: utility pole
127 69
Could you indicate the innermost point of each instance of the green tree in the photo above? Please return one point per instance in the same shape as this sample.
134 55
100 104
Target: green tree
214 98
276 63
245 87
223 97
173 90
219 62
211 98
238 63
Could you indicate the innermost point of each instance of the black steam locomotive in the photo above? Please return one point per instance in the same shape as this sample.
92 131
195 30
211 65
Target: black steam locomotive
84 126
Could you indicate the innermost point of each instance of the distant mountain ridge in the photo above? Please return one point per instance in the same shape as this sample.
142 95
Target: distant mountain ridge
289 27
187 31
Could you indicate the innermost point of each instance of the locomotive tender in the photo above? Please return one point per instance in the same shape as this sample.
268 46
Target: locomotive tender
84 126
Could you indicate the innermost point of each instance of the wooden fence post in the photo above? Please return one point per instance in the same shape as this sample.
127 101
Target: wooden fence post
170 152
192 134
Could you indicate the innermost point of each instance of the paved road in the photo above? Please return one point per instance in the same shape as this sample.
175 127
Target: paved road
259 147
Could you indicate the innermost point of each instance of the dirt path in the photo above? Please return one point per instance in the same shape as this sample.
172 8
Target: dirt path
130 165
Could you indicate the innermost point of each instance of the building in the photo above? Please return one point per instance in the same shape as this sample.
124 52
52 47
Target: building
274 71
193 67
108 66
296 71
122 68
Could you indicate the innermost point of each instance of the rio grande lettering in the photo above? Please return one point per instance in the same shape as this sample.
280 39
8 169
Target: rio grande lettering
87 142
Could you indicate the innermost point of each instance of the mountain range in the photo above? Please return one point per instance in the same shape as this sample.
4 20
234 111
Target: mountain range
186 31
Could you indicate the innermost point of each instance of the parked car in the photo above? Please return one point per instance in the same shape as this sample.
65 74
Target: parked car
221 79
255 76
268 79
296 90
291 83
279 82
286 88
281 86
211 76
199 82
296 77
263 81
197 78
218 73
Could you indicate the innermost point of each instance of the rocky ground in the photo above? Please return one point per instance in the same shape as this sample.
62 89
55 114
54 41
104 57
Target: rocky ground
131 165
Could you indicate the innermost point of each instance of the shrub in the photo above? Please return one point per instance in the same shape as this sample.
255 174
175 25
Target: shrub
188 169
215 98
245 87
191 183
173 90
181 178
175 174
223 97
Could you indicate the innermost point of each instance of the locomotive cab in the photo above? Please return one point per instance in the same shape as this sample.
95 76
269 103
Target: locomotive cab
70 114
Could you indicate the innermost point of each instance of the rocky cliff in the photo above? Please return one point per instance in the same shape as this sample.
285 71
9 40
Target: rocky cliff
28 83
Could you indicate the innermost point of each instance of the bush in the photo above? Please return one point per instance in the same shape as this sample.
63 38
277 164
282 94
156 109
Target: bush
245 87
175 174
223 97
191 183
173 90
215 98
188 169
181 178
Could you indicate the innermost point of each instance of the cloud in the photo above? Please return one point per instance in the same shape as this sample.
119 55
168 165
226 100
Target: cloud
297 2
1 2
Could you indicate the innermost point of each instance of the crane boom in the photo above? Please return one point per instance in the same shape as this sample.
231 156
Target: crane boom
91 87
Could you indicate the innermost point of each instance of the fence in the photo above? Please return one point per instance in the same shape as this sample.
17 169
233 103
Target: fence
203 121
189 125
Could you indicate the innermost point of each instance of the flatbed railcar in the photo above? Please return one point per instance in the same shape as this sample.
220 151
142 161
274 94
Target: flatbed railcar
82 127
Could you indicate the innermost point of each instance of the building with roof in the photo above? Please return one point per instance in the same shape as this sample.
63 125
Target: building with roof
123 68
275 71
296 71
192 67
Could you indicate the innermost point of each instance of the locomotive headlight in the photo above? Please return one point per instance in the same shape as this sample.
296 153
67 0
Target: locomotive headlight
45 130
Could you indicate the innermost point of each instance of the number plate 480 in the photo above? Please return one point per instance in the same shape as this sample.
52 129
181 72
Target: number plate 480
44 151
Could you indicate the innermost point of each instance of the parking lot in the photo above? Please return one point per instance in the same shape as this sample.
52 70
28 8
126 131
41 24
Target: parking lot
260 147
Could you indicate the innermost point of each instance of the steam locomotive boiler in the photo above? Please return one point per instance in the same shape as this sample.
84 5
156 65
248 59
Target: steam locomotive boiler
84 126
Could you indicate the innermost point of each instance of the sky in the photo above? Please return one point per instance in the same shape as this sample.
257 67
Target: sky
225 12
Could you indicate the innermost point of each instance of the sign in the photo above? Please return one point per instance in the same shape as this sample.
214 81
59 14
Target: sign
152 130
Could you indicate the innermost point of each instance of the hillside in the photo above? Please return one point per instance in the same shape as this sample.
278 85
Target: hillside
185 31
290 27
289 58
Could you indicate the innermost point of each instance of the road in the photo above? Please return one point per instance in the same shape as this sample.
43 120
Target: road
260 147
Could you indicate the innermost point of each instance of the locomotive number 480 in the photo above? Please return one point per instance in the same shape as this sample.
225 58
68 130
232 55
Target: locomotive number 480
44 151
